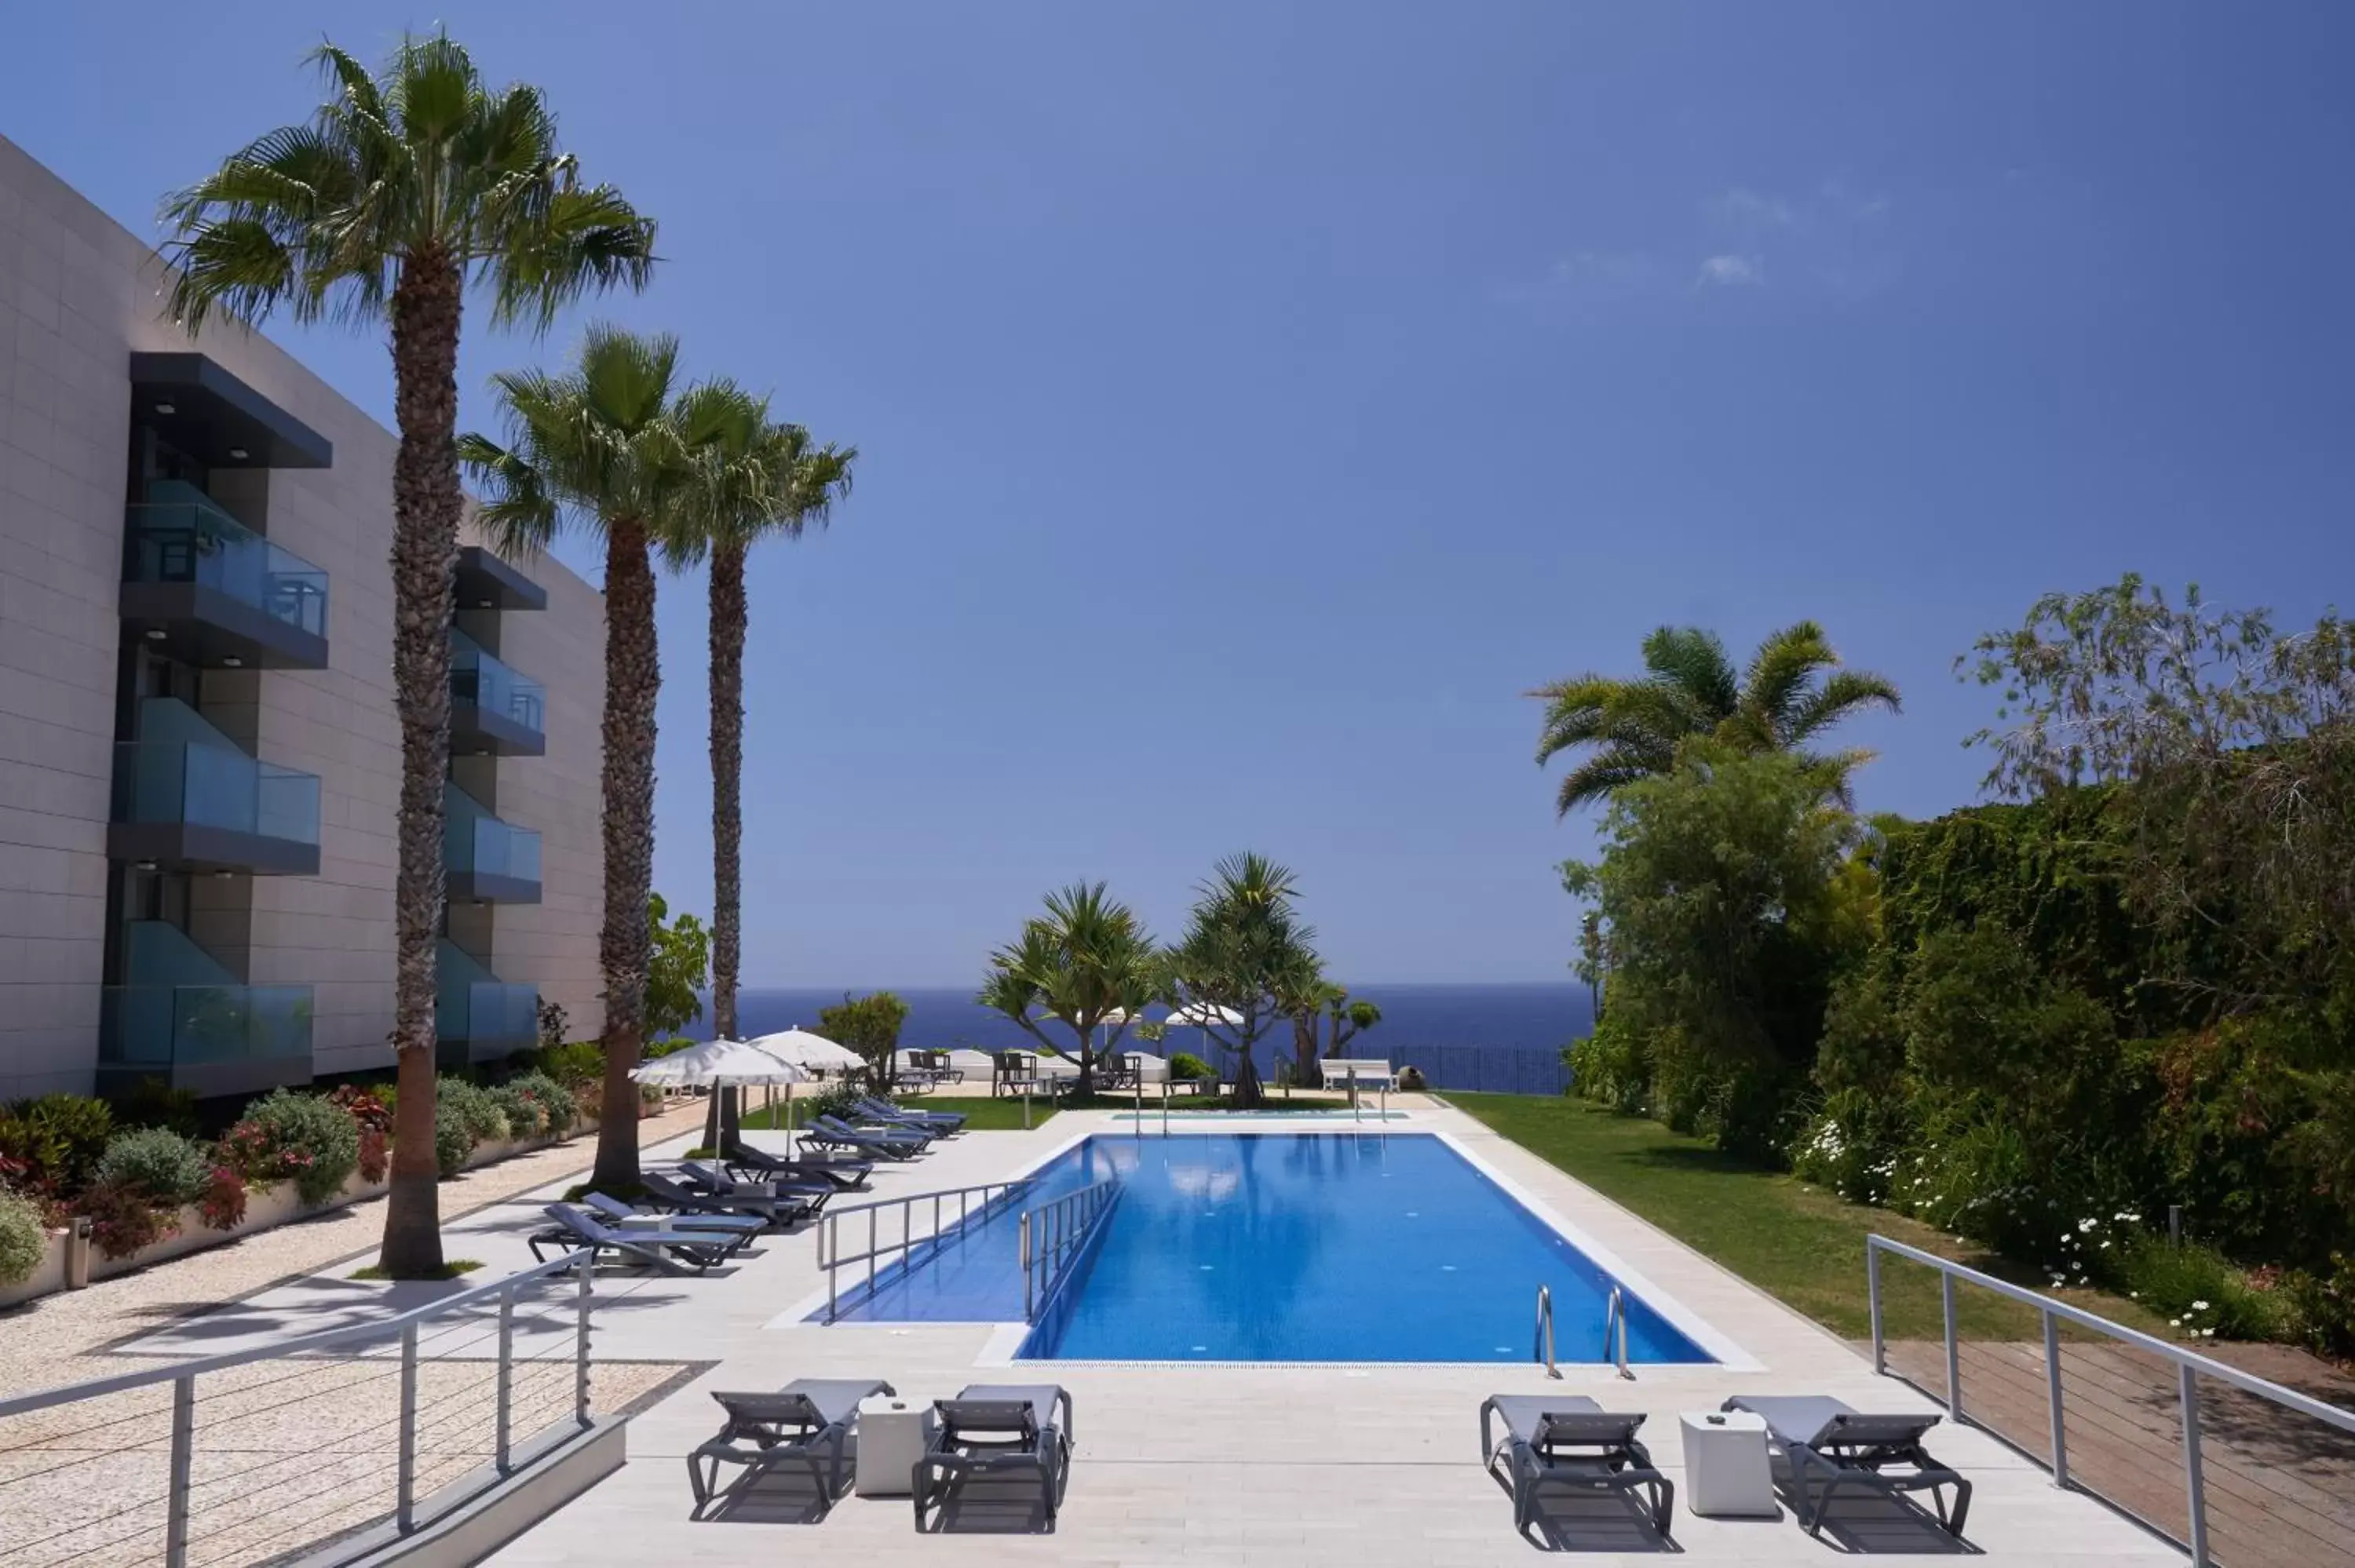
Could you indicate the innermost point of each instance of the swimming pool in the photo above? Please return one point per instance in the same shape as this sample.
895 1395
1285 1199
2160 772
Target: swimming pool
1288 1246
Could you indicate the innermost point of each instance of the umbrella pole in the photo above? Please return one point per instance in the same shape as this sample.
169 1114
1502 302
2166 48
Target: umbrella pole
711 1122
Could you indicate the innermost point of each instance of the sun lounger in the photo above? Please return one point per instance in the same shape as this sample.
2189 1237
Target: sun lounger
803 1423
830 1132
766 1206
889 1113
841 1171
616 1212
996 1429
670 1251
1824 1438
1568 1440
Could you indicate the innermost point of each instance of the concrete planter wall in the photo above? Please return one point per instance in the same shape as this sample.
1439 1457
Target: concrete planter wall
266 1208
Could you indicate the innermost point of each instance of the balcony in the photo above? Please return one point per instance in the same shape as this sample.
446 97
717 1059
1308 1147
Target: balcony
212 592
478 1017
186 799
487 582
492 708
486 860
207 1039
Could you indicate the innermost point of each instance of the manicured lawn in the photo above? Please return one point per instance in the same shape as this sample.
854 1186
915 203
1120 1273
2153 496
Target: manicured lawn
1794 1241
982 1113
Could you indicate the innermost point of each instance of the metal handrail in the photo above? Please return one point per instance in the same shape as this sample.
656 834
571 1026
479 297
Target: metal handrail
1541 1339
831 1257
1615 1318
182 1375
2189 1365
1053 1235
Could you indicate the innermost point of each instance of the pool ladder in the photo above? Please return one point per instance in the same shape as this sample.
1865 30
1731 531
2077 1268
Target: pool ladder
1614 1333
1542 1347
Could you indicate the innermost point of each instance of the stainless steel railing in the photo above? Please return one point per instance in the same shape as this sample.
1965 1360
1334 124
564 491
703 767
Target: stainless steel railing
1053 1235
537 1402
973 1202
1542 1337
1614 1333
2189 1367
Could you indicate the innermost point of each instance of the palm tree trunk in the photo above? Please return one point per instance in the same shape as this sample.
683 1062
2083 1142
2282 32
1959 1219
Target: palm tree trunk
729 617
633 674
1305 1071
426 503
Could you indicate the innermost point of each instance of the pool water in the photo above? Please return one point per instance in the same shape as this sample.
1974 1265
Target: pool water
1291 1247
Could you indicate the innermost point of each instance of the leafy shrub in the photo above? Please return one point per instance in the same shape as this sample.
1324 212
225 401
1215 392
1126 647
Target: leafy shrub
365 1105
23 1240
305 1138
1410 1080
454 1139
1852 1146
1185 1065
563 1110
581 1062
222 1203
170 1169
56 1138
526 1116
152 1102
124 1218
486 1122
375 1155
837 1098
2320 1306
2202 1295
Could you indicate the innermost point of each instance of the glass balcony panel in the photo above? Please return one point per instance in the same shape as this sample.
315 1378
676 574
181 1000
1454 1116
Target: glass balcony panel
192 541
484 1012
165 1026
214 787
480 678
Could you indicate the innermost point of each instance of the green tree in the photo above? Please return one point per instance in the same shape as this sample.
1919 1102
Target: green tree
770 480
1243 948
405 188
1087 963
615 448
677 973
1793 691
1726 909
870 1026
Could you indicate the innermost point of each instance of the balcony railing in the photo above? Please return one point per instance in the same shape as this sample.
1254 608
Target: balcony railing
186 542
210 1038
213 806
488 859
492 708
489 1018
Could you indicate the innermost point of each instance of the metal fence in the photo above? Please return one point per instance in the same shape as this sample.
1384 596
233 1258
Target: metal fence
893 1235
1478 1069
2235 1468
324 1445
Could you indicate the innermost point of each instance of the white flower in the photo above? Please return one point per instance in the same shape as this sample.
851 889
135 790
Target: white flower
2200 1305
2087 1224
2175 1322
2207 1333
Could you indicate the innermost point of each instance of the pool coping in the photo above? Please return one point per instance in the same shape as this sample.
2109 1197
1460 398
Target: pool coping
1005 1337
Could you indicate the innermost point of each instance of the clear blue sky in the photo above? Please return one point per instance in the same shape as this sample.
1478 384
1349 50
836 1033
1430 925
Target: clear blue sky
1256 398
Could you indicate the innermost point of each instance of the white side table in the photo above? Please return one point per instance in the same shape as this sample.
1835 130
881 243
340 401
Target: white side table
1727 1473
892 1436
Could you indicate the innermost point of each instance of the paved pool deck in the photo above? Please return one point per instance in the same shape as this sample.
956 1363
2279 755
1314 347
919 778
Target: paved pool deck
1296 1464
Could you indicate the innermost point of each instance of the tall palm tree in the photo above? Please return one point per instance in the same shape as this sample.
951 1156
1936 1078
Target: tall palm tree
1690 688
406 189
1087 963
615 448
767 480
1244 948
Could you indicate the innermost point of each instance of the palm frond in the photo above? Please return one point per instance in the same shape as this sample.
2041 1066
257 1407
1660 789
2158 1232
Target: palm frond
1694 661
1844 693
1599 777
1779 674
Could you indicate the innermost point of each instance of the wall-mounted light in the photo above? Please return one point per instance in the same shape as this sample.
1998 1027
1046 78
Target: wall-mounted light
237 454
487 604
232 663
155 634
165 408
223 875
143 865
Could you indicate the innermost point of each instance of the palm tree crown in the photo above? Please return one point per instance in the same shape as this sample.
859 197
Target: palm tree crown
1087 963
1793 691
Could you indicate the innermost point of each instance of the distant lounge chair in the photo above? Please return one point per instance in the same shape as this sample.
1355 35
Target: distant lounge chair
993 1429
1823 1436
616 1211
740 1158
670 1251
831 1133
1568 1440
766 1206
884 1111
803 1423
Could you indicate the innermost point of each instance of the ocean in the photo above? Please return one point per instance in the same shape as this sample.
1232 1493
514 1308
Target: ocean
1507 1038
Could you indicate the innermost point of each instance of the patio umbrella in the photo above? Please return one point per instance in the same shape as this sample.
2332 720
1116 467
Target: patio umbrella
720 1063
812 1053
1201 1015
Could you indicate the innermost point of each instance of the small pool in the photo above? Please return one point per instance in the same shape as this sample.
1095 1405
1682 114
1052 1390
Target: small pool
1288 1246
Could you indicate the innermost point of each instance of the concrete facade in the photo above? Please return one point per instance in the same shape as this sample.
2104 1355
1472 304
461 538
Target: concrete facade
79 296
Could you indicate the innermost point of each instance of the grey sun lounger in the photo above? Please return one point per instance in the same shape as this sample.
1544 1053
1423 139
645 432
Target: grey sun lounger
842 1171
830 1133
803 1423
1569 1441
1825 1439
995 1428
672 1251
616 1211
701 1193
891 1115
